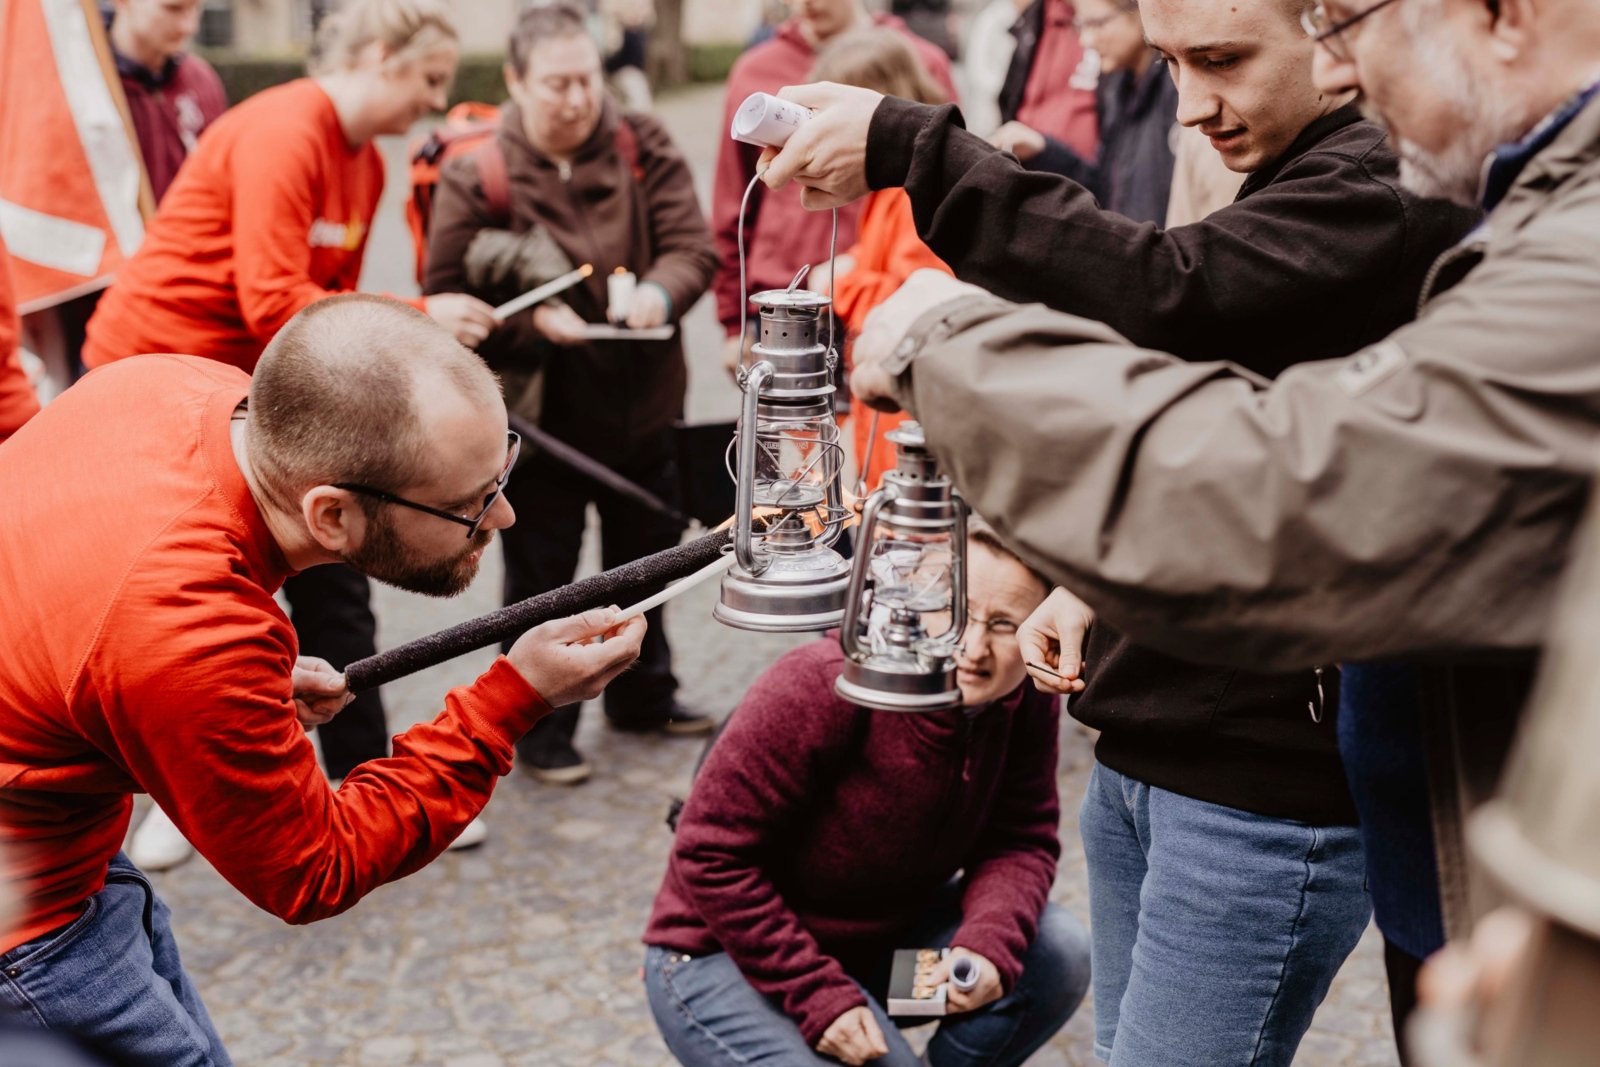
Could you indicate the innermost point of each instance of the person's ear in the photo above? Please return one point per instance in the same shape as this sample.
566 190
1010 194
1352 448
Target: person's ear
514 86
1510 24
334 518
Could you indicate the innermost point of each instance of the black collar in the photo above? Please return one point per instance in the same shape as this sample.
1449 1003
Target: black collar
150 79
1309 138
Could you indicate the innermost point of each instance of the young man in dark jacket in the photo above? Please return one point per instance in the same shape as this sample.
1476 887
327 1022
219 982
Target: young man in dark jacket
613 191
1218 824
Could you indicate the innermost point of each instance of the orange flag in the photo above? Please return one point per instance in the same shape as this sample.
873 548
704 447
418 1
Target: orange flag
72 190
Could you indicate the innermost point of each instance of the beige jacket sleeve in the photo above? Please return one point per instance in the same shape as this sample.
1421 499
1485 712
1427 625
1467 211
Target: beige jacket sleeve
1417 496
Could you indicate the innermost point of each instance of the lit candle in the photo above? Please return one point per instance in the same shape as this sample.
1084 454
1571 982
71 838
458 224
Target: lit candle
619 293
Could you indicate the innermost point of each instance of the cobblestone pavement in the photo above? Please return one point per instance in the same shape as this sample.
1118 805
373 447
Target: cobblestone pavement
525 951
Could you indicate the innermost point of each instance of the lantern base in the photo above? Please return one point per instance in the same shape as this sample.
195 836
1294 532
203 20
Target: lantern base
898 690
796 593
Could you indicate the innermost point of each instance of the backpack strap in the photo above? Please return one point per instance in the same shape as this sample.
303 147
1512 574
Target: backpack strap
627 141
490 159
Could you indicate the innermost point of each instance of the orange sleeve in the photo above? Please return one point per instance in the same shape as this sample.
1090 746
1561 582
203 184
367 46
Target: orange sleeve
18 402
887 253
198 708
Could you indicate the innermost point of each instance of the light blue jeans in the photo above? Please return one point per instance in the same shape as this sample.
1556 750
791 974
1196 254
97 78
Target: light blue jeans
1216 932
112 981
710 1016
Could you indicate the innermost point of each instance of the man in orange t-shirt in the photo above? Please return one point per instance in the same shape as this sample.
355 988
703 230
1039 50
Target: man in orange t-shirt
141 650
271 212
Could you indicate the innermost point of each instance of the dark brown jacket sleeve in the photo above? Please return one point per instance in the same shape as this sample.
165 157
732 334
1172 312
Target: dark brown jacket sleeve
685 256
460 213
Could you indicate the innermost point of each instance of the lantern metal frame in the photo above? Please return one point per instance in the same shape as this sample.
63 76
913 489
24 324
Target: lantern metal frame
912 672
787 577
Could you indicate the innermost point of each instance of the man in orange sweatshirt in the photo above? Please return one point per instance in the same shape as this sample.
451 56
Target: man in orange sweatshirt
141 649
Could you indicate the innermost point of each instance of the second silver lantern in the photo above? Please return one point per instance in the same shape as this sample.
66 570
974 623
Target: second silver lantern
907 608
789 508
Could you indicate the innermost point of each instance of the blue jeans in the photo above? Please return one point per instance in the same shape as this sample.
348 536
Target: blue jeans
710 1016
111 979
1216 932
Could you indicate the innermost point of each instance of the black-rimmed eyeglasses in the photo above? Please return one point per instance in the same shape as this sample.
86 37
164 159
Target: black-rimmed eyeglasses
1329 34
471 522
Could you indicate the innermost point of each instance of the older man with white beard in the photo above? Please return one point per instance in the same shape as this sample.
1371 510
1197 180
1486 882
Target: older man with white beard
1414 499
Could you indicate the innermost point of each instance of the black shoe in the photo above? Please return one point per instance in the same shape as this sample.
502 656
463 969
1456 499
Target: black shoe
679 722
555 762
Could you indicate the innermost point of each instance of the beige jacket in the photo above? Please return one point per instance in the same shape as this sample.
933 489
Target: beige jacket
1416 498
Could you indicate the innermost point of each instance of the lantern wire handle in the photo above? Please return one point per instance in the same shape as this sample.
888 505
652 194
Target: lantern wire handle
744 296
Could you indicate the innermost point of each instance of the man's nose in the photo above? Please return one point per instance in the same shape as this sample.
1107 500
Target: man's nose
501 515
1196 102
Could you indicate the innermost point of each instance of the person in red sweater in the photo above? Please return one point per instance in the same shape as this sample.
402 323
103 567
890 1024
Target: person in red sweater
18 401
271 213
780 235
143 651
887 250
172 95
820 836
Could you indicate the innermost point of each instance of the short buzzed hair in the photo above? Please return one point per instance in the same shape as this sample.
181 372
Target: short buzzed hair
334 396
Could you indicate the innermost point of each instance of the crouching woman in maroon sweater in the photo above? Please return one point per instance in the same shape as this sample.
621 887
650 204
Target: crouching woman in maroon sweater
820 836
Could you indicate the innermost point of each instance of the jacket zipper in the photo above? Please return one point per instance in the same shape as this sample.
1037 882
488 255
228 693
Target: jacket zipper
1316 706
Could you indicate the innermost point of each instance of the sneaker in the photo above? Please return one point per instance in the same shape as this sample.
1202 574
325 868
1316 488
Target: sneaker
685 723
158 844
679 722
473 835
556 763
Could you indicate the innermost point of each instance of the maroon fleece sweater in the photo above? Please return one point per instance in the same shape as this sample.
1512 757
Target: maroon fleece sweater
818 830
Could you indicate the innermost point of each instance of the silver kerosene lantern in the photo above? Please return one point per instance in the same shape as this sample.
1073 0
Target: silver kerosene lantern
789 509
909 578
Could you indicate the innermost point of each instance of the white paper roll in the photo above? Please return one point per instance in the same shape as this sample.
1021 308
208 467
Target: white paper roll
763 119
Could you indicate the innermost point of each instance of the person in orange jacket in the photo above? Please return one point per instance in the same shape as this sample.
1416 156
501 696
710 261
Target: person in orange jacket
887 249
18 402
272 213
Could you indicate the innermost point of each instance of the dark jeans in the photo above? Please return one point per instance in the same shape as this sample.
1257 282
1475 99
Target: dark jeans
331 607
112 980
541 553
710 1016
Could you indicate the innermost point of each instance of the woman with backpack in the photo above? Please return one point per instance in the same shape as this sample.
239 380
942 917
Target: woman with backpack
270 213
611 190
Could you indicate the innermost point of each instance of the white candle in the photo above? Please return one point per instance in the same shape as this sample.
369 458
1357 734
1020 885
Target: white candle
619 293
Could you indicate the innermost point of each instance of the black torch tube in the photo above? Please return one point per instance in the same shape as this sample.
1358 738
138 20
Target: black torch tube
615 586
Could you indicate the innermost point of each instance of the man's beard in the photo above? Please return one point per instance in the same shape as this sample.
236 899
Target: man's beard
1483 120
383 556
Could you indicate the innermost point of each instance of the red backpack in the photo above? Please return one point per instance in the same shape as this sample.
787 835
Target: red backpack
470 128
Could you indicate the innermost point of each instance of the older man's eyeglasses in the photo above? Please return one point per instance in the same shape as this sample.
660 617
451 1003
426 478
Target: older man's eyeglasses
471 522
1329 34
